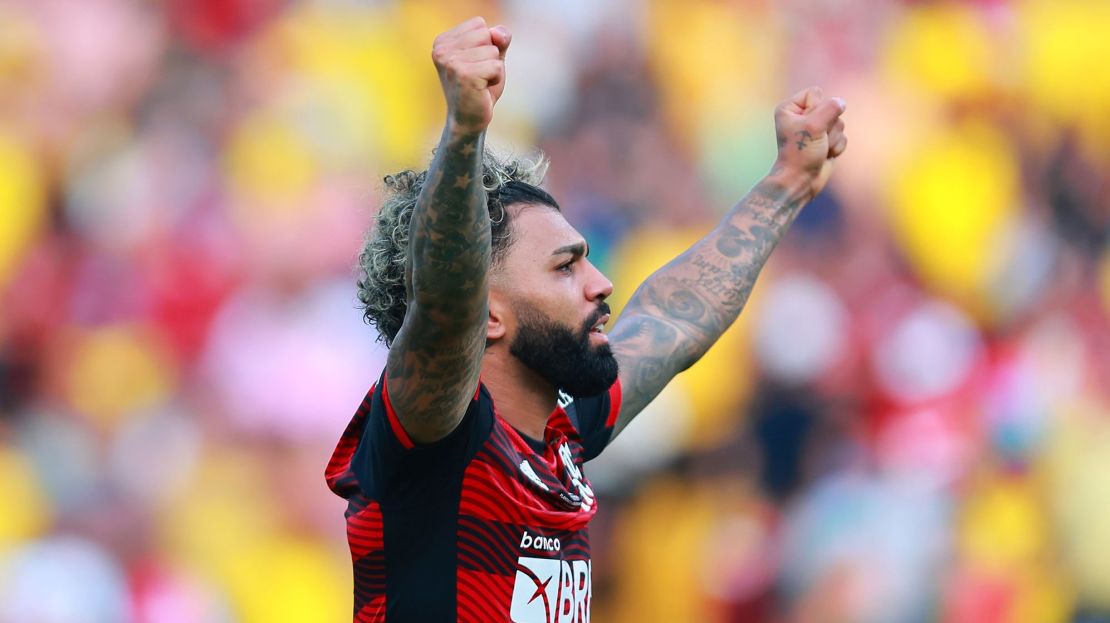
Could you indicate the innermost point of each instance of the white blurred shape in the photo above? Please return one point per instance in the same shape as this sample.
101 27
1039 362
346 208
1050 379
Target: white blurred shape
62 580
928 353
293 365
800 329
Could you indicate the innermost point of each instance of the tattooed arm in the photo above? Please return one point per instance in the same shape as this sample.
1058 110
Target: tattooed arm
681 310
434 361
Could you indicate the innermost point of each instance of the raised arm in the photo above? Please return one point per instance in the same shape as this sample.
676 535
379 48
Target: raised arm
681 310
433 364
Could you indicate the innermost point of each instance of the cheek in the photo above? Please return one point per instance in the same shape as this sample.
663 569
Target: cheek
556 294
553 298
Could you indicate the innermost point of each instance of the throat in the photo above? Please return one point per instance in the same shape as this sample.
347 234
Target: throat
521 398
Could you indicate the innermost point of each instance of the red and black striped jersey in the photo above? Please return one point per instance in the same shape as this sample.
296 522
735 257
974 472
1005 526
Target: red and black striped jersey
483 525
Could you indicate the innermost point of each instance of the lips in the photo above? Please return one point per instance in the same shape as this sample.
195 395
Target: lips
597 320
600 324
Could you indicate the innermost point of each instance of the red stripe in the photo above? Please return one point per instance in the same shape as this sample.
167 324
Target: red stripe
614 404
493 547
373 612
394 423
487 501
340 463
483 597
495 497
365 531
479 557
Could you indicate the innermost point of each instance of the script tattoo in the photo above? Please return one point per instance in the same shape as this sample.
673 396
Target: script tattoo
681 310
434 361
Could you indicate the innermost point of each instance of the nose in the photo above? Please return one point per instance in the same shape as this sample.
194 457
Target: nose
598 286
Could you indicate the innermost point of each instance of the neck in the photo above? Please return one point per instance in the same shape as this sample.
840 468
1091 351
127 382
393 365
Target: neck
524 399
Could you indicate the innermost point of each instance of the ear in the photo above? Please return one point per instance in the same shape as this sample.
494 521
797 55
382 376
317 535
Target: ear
495 328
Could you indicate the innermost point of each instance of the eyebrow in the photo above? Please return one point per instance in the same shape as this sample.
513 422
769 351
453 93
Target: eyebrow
578 249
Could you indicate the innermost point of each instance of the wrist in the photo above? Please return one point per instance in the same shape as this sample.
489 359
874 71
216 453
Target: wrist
460 129
796 184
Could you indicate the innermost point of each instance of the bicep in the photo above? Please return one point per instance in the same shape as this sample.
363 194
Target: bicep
433 367
650 351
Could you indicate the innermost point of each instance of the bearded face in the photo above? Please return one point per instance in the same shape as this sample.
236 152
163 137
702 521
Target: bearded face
562 354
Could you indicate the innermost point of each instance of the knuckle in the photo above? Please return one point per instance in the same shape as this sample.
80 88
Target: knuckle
441 54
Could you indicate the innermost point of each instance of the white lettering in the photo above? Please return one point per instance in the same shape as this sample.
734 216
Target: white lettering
547 544
575 473
583 590
564 399
566 595
551 591
526 468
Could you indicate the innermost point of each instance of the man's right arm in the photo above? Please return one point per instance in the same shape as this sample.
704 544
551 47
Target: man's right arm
434 362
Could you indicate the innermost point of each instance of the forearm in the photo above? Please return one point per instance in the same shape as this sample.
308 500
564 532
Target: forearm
681 310
450 231
701 292
436 356
434 361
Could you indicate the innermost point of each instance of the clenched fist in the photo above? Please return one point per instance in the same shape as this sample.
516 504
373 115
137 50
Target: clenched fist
470 59
810 136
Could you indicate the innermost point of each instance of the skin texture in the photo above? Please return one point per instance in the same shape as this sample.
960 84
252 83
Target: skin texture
682 309
460 318
546 268
436 357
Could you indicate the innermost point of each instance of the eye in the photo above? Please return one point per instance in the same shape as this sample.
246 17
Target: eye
565 268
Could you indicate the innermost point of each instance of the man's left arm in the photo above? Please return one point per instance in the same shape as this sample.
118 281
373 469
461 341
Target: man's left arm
681 310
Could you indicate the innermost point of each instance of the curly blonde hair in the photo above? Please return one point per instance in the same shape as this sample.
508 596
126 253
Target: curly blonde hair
384 257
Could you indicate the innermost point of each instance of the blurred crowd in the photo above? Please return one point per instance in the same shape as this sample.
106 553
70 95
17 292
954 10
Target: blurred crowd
909 424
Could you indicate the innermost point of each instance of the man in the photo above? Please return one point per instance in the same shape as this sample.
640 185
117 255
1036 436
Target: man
463 466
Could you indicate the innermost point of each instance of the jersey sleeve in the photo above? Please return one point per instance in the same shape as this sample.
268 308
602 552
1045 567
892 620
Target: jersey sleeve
594 417
389 464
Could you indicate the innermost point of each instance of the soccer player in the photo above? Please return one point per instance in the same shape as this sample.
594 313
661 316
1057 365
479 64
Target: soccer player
463 467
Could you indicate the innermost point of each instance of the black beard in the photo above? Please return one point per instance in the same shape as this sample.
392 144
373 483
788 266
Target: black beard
562 356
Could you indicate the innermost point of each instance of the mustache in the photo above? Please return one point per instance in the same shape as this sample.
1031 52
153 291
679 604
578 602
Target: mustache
602 309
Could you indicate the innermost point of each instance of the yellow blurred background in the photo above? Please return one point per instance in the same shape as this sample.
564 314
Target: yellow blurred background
910 422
